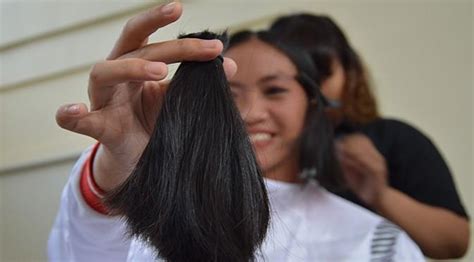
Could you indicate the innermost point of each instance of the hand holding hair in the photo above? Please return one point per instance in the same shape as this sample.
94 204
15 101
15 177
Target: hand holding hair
197 193
125 92
365 169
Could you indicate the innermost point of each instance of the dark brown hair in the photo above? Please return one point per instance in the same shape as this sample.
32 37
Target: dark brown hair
325 41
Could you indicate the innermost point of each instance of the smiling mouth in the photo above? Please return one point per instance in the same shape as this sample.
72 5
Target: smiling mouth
260 139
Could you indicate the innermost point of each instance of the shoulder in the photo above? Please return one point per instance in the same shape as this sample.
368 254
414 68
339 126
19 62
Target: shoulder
371 233
344 215
390 243
394 126
393 134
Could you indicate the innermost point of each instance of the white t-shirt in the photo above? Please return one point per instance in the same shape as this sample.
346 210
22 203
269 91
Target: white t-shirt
307 223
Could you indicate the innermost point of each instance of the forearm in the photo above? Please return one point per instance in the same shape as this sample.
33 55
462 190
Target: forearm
439 232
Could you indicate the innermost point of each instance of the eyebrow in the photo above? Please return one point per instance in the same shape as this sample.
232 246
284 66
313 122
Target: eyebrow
264 79
268 78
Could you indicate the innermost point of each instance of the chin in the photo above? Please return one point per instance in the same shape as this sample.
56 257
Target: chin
263 162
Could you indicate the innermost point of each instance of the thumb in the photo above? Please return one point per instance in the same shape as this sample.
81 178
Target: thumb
68 115
230 67
76 118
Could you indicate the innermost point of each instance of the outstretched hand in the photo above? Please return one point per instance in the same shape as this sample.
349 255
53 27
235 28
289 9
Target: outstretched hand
126 92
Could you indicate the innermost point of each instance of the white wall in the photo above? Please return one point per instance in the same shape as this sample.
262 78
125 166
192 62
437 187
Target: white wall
420 54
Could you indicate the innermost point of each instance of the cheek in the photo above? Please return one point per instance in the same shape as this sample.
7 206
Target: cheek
333 86
290 118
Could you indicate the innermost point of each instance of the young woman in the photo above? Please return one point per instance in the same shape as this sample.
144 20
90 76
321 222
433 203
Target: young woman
276 92
391 167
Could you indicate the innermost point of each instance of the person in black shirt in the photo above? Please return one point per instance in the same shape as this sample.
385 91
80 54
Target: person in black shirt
389 166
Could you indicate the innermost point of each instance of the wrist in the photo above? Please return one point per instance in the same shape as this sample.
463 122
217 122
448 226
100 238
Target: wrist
92 194
381 190
108 171
385 197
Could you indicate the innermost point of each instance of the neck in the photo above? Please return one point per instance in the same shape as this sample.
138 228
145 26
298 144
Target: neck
285 172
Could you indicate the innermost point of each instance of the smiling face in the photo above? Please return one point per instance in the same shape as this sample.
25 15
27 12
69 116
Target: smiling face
272 104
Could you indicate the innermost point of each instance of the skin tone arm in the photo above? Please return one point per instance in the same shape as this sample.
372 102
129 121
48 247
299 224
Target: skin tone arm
440 233
126 90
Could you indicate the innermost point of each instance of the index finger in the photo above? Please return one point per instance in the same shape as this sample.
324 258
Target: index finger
135 33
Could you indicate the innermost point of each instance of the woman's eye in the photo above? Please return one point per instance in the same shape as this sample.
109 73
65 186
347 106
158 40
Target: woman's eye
275 90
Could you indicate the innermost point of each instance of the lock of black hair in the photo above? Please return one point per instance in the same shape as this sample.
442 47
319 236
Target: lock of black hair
197 193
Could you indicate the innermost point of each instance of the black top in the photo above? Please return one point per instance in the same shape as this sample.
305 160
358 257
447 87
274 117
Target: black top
415 166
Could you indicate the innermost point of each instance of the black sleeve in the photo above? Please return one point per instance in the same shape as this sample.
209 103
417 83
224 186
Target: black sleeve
415 165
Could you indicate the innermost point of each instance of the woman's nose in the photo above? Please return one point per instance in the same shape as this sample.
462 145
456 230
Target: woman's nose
254 110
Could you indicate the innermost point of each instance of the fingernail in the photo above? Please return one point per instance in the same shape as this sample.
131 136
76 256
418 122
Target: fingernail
155 68
73 109
210 43
168 9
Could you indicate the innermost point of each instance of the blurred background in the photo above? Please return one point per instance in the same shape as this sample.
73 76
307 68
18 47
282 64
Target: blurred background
420 54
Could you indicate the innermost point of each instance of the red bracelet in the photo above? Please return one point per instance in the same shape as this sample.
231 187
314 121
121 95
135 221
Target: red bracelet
91 192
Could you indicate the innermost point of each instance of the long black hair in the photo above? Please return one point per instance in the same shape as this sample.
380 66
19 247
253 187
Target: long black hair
317 154
197 193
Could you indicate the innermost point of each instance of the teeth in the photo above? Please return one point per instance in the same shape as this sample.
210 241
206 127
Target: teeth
260 137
